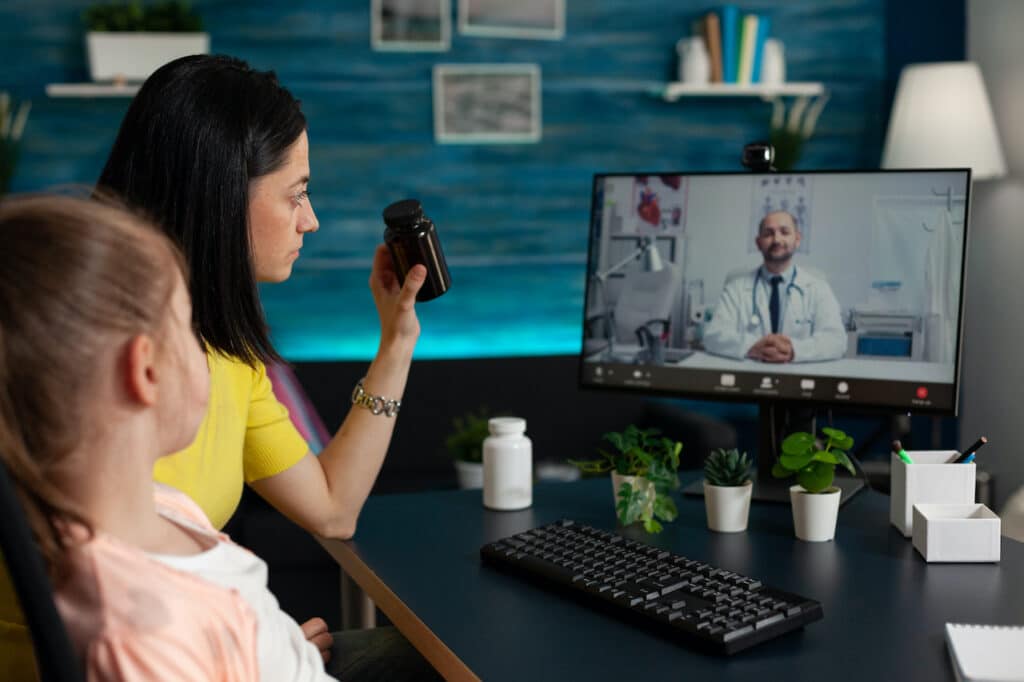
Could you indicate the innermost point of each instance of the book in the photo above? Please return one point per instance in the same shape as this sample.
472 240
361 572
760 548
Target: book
986 653
747 43
763 24
730 42
713 40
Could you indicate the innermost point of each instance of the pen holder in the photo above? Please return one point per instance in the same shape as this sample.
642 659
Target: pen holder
931 479
956 533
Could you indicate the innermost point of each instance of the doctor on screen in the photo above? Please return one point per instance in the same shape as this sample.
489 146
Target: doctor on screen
779 312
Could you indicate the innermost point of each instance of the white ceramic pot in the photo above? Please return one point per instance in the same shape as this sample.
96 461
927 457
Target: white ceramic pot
728 507
132 56
694 62
635 481
773 62
470 474
814 514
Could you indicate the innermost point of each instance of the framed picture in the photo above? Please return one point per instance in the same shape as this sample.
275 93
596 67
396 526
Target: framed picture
540 19
487 103
410 25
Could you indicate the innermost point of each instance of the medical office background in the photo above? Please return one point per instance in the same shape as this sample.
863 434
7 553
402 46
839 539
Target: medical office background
513 219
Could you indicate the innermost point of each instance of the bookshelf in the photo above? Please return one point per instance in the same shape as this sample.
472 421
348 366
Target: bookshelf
673 91
91 89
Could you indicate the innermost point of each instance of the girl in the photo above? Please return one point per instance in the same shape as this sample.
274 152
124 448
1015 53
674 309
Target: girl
101 375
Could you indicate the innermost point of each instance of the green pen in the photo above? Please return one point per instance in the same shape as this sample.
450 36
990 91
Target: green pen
897 447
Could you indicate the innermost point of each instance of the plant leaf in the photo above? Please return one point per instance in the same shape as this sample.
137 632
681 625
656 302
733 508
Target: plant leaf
779 471
665 508
816 477
834 434
797 443
826 456
795 462
845 443
845 461
652 526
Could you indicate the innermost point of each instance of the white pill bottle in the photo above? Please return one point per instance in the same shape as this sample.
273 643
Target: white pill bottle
508 465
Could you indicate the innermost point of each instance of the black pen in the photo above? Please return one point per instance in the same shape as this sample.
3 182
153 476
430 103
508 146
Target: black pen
967 455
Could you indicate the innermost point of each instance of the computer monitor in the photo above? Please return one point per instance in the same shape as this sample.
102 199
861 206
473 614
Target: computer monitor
789 289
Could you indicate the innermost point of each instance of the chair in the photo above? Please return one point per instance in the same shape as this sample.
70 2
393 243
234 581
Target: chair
55 657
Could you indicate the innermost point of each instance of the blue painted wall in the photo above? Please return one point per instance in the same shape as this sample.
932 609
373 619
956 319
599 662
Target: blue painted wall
512 219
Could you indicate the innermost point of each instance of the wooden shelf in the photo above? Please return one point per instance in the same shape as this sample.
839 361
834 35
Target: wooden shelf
673 91
91 89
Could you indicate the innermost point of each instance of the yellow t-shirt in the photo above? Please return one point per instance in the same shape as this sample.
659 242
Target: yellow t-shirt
246 435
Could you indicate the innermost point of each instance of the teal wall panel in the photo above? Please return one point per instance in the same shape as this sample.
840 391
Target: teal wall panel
512 219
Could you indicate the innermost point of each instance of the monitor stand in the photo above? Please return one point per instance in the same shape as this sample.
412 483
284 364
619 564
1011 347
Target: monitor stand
775 421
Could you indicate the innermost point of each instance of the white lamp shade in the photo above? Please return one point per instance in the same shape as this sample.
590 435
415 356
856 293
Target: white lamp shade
941 118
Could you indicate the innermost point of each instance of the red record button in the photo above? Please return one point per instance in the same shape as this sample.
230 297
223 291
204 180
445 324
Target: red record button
922 393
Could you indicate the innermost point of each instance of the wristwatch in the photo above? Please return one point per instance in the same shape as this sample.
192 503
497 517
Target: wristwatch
374 403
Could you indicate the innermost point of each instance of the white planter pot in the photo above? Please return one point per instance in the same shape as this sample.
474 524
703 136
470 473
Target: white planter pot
635 481
728 507
132 56
814 515
470 474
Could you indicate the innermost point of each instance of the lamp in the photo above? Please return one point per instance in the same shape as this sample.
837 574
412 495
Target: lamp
941 118
650 261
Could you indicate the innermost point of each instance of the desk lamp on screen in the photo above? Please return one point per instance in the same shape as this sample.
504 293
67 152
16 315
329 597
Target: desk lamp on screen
794 290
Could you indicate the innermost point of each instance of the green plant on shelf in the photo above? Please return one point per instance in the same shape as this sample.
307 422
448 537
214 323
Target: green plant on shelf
641 453
169 16
13 119
727 468
788 132
814 466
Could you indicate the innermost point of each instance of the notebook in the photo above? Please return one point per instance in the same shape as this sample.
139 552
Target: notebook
986 653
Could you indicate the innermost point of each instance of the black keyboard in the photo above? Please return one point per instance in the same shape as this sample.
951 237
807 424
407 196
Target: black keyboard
692 602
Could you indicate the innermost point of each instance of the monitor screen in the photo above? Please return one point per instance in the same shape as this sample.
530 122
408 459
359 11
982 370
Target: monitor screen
831 287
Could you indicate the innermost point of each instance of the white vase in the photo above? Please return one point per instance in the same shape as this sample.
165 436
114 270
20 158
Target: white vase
132 56
635 482
470 474
727 507
773 63
694 63
814 514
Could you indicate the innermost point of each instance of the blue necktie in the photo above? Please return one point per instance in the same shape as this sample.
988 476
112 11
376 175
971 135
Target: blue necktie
773 303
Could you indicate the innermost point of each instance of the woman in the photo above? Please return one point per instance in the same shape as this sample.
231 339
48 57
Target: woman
217 154
147 588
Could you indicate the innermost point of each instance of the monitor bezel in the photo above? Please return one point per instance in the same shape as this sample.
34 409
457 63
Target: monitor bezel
850 404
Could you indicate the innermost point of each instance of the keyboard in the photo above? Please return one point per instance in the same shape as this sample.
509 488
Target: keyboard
692 602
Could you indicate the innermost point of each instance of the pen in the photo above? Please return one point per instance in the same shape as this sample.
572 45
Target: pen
968 455
897 447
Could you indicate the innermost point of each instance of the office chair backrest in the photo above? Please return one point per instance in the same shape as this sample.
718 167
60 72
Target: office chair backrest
644 296
55 657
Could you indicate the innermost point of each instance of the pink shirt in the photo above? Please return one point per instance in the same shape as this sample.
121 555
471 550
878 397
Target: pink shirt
130 617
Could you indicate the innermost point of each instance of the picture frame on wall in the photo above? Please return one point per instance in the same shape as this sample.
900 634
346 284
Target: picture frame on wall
487 103
530 19
410 25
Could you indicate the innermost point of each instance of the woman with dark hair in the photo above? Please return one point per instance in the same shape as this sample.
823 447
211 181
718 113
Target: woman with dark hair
217 154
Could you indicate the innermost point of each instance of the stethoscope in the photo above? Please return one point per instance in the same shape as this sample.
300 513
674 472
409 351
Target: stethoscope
755 318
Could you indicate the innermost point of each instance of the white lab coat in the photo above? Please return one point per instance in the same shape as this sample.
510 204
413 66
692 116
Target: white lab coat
811 317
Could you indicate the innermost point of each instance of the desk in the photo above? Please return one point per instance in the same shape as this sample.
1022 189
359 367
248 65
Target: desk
417 556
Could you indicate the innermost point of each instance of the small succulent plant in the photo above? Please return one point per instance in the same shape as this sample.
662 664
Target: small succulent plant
727 468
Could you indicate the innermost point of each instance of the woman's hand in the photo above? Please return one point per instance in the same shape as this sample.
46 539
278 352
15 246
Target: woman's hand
315 630
396 305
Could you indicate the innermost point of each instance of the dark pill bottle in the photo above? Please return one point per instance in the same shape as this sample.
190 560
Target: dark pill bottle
412 240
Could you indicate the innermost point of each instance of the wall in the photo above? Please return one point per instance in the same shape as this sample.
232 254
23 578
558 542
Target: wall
512 218
993 373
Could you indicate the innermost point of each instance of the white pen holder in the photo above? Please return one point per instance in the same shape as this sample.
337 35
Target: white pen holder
931 479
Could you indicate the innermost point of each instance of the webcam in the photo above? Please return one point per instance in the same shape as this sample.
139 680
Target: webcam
759 156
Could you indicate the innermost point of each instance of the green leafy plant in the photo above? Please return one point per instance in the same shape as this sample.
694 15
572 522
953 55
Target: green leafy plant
727 468
169 16
466 441
789 132
12 125
814 466
642 453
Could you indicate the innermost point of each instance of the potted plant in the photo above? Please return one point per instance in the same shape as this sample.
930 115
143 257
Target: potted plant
465 445
12 125
127 41
815 500
727 488
644 475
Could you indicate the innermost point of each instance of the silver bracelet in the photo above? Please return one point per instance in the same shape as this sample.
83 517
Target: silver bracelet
374 403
